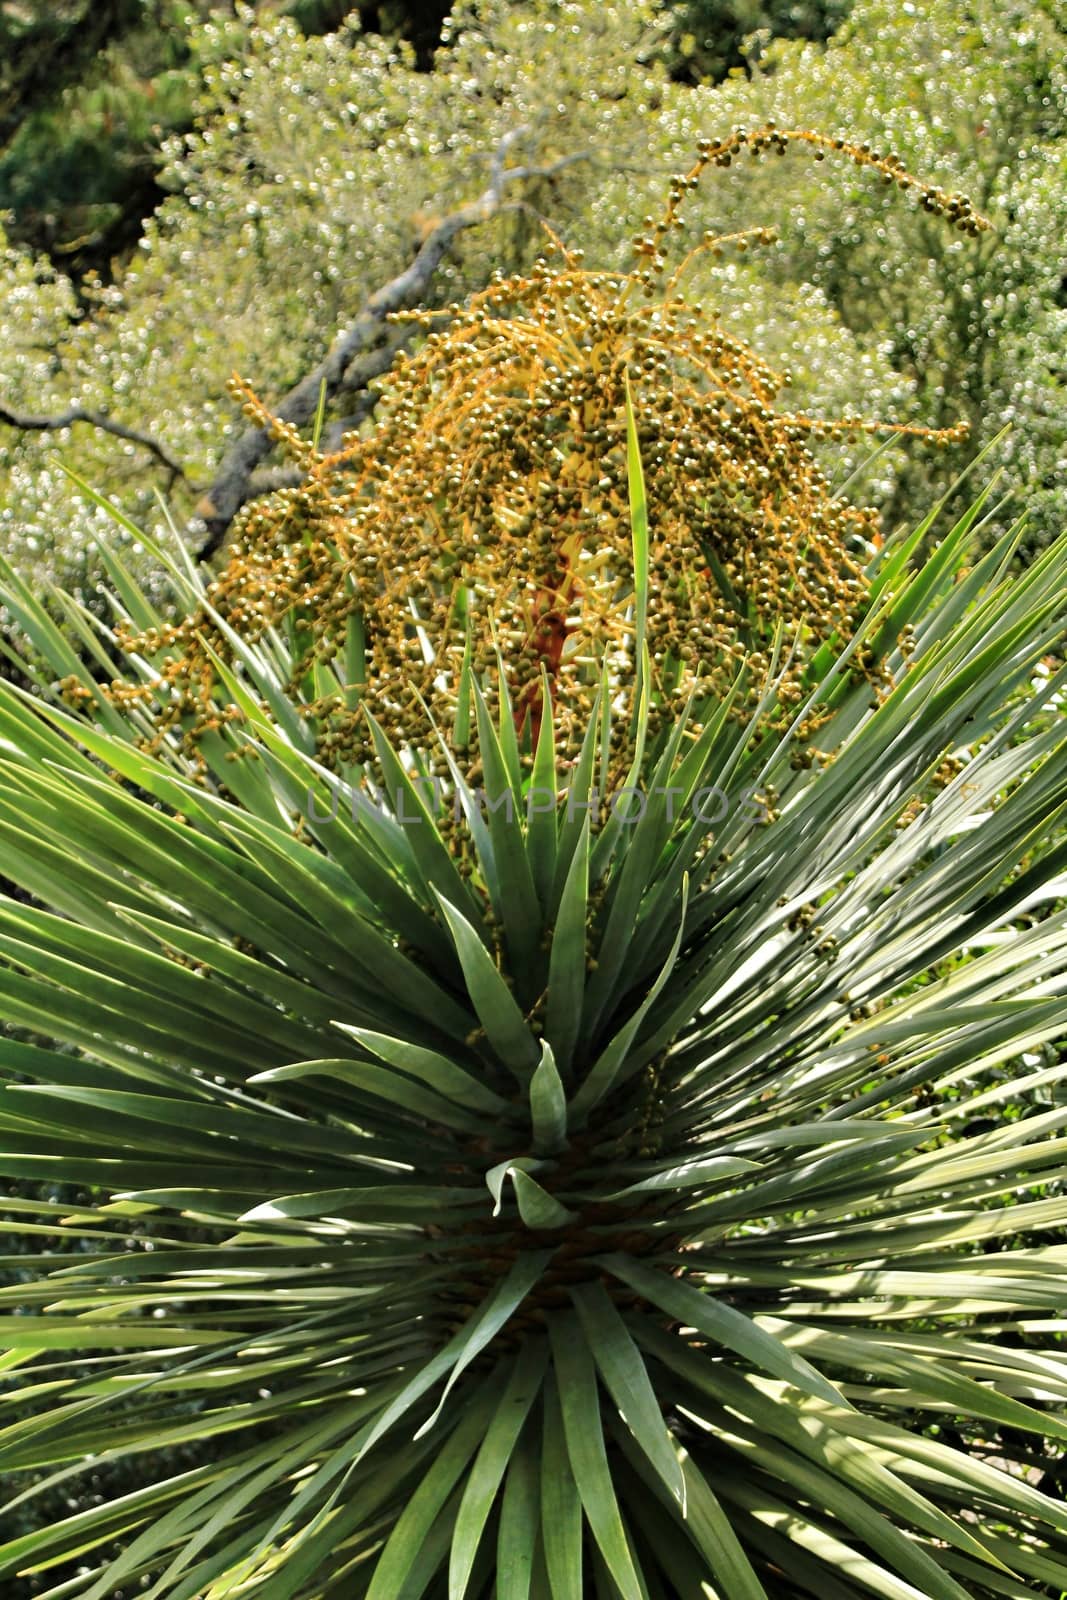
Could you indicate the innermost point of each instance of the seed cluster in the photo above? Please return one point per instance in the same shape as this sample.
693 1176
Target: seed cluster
486 515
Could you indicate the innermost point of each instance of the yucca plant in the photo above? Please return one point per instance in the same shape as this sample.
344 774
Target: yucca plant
597 1210
549 1056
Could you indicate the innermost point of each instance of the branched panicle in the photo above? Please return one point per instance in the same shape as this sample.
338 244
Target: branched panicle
487 510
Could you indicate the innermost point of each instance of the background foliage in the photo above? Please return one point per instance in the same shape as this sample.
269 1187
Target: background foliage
90 90
315 162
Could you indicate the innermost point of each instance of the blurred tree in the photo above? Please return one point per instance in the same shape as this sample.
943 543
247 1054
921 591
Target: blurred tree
314 170
88 91
978 95
317 165
91 89
43 48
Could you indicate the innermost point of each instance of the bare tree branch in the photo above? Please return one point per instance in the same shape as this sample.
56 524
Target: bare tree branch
95 419
361 352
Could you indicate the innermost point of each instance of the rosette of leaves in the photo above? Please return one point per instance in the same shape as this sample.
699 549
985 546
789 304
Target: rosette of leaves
626 1204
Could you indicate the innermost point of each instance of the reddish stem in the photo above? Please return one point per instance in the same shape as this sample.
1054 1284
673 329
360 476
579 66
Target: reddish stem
550 634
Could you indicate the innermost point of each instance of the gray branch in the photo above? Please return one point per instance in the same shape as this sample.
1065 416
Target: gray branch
26 423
